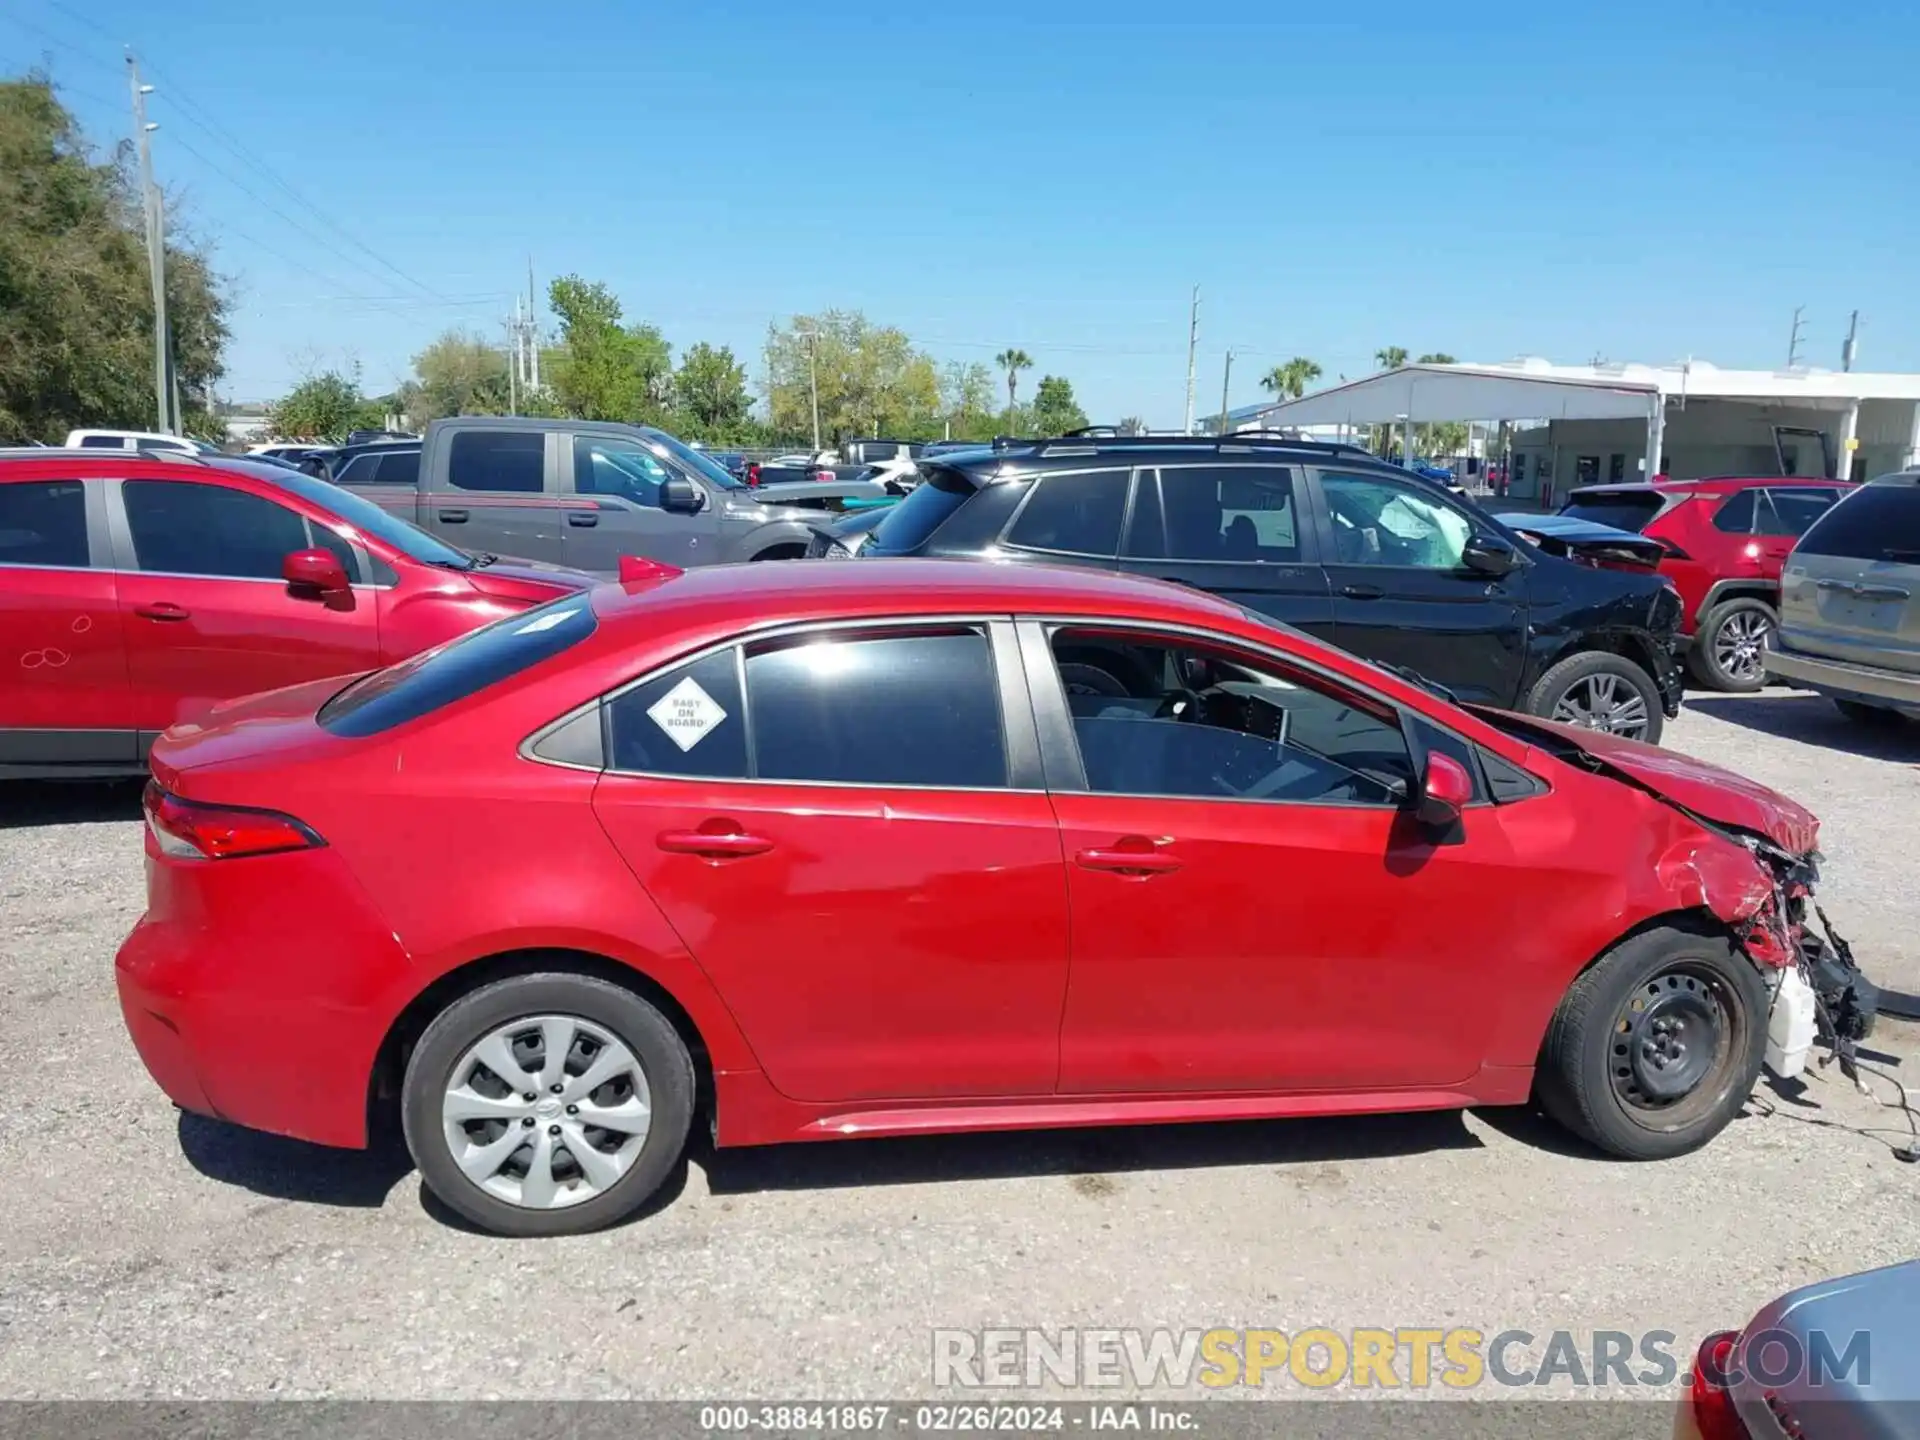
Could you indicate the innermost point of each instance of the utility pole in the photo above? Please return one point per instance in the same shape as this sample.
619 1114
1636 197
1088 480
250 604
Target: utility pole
1193 340
513 365
813 384
156 241
533 332
1225 380
1848 350
1793 342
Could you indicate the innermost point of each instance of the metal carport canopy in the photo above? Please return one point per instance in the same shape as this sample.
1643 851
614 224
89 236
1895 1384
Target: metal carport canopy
1464 392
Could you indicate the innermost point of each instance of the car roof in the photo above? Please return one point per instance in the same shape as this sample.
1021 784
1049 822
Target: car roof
800 590
1006 459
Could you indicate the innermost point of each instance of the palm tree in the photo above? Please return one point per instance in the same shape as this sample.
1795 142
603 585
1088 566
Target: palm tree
1290 381
1012 360
1391 357
1132 425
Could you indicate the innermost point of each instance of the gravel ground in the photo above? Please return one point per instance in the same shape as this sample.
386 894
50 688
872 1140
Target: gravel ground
145 1253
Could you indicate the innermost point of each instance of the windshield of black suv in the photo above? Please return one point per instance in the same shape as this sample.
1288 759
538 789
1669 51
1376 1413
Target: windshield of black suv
410 540
712 470
911 523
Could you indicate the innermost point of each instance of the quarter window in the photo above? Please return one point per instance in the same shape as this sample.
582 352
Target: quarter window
1156 718
1243 513
1079 514
182 527
1736 516
497 460
44 522
1382 522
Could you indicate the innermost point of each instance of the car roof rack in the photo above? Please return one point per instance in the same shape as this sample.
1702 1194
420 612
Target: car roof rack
102 452
1245 439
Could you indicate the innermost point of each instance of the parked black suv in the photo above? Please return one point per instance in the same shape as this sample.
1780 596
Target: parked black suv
1325 537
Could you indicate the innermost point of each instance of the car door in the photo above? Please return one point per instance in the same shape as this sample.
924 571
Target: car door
848 829
492 490
64 696
1251 906
1237 529
1402 594
621 479
206 613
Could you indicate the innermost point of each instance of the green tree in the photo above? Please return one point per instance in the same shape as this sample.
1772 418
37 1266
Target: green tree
1132 425
458 374
1012 360
1055 411
1290 381
1436 357
710 390
1391 357
76 314
967 403
871 380
606 370
324 407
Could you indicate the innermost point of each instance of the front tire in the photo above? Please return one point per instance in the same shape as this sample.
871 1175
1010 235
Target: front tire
547 1104
1654 1049
1729 652
1598 690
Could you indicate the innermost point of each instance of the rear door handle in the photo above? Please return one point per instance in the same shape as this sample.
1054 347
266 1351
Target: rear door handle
163 610
716 847
1362 592
582 519
1127 862
453 517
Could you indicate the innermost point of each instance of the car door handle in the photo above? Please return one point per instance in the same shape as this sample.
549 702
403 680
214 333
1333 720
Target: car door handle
1127 862
714 846
163 610
582 519
1362 592
453 517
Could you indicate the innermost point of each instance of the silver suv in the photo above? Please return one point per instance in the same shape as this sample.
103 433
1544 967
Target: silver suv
1850 604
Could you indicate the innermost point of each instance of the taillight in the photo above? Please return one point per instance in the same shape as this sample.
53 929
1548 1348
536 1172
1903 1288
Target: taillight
826 476
1713 1412
187 830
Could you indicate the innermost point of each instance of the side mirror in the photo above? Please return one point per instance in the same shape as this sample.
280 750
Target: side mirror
1490 555
316 574
1444 792
682 497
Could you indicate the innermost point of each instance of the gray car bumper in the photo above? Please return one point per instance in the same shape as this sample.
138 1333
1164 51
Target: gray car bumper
1898 688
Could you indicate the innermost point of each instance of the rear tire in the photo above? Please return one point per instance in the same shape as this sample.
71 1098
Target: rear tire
1599 690
1729 650
507 1166
1874 717
1654 1048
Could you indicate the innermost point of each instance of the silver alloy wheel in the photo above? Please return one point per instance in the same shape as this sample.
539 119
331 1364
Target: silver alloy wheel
546 1111
1738 643
1604 702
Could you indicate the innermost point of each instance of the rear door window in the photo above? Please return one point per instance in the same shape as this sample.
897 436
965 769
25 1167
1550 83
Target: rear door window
1792 512
687 722
1079 514
503 461
44 522
1232 513
1875 522
435 678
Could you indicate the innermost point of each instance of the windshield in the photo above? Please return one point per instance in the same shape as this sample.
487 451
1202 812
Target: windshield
906 526
694 459
365 516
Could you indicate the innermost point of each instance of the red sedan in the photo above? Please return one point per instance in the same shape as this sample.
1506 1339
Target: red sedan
872 850
136 591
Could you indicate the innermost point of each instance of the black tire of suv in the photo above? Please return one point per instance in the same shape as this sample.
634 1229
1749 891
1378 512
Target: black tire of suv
1874 717
1702 660
1575 1081
1553 686
644 1030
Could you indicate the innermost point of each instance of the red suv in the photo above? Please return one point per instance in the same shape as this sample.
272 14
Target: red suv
843 850
137 591
1726 539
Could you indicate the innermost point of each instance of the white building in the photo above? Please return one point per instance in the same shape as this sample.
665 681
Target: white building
1581 424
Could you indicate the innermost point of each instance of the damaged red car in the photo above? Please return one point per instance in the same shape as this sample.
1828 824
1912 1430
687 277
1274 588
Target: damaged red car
818 851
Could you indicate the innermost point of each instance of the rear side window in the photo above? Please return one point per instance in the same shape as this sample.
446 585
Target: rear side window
1736 515
497 460
435 678
44 522
1792 512
1079 514
911 523
103 442
1875 522
1627 510
688 722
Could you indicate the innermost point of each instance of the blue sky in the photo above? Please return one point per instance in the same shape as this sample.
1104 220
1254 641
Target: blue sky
1634 180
